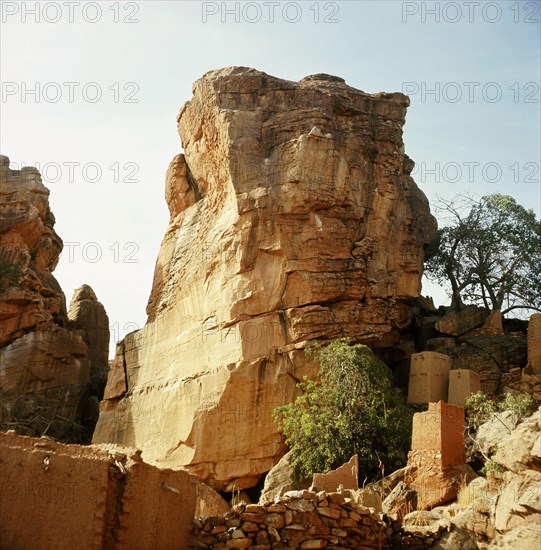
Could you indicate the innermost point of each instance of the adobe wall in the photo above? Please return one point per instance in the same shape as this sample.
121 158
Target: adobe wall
462 383
56 496
438 454
440 429
50 498
346 475
452 428
429 377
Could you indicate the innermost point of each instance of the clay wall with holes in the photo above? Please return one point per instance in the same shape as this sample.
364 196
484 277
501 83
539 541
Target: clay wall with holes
89 497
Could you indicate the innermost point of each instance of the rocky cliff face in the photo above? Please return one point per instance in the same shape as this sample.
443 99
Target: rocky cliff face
29 250
294 219
45 364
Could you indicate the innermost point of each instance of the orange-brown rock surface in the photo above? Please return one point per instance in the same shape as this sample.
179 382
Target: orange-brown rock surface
88 316
29 249
45 361
294 219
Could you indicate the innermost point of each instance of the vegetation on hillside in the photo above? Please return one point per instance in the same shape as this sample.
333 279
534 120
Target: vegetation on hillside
352 408
481 408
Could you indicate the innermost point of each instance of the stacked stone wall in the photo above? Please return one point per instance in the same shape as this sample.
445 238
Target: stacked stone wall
300 519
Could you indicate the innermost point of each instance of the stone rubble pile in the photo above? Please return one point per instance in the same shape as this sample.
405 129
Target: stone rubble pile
299 519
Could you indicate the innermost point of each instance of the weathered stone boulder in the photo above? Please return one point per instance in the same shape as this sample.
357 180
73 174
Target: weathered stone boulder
520 448
490 433
493 324
294 219
470 526
401 500
280 479
504 510
522 537
519 498
366 498
384 486
516 510
208 502
458 322
427 524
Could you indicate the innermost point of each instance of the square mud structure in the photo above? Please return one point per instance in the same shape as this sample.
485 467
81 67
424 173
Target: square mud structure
429 378
462 383
439 433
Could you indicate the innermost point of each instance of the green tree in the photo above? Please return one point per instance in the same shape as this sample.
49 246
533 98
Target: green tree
352 408
489 254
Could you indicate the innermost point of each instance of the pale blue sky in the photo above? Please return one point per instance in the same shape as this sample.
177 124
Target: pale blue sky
375 46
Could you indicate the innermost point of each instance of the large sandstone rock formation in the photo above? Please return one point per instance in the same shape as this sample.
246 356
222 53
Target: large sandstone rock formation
45 360
29 249
294 219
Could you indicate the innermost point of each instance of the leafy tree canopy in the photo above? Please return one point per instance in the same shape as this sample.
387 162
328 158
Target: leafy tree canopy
489 254
352 408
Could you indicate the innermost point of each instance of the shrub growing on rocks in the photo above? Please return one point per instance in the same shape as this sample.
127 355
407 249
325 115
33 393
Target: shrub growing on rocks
488 419
352 408
481 408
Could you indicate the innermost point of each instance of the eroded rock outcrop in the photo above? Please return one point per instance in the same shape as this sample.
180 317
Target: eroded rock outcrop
88 316
294 219
30 296
45 362
280 479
